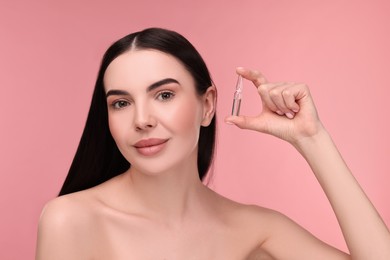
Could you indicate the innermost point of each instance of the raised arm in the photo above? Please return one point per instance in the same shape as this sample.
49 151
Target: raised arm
290 114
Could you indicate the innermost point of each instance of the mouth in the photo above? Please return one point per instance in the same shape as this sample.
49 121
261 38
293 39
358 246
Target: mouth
149 147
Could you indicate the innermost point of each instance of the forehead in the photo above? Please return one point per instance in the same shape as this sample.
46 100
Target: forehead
144 67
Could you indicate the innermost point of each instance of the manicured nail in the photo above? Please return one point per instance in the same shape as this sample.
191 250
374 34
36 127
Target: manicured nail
289 115
228 122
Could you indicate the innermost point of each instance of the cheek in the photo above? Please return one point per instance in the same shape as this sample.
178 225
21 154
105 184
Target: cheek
185 118
117 127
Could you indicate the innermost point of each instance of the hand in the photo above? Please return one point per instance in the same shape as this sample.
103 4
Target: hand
288 109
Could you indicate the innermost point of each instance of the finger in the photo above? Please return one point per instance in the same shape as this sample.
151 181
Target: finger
253 75
277 95
259 82
289 99
268 103
246 122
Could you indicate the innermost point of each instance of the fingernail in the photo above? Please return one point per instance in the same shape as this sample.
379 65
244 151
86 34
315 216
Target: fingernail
228 122
289 115
280 113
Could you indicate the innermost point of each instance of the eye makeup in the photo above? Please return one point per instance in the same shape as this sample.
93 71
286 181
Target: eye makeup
237 97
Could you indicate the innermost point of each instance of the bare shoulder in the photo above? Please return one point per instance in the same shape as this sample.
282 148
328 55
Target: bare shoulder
66 210
76 208
252 214
273 235
252 221
64 227
268 219
65 213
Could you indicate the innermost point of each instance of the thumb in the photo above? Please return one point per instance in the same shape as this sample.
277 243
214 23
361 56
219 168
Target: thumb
244 122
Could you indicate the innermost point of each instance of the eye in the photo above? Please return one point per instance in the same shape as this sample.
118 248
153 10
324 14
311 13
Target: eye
165 95
120 104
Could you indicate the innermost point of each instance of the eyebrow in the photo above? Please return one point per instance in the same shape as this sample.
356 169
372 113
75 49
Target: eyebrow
148 89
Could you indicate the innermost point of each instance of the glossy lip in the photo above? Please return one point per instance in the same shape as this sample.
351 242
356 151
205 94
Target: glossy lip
149 147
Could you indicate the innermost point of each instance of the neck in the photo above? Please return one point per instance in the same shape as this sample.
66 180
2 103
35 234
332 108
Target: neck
169 196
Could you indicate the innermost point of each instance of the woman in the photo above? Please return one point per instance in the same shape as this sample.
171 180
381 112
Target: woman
134 190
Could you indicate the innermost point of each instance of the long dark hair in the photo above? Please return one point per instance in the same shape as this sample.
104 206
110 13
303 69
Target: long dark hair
97 158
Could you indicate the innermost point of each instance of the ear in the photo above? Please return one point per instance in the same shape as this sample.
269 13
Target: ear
209 99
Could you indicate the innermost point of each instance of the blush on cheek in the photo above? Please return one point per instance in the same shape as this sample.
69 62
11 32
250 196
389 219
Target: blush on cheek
116 129
186 118
111 125
119 136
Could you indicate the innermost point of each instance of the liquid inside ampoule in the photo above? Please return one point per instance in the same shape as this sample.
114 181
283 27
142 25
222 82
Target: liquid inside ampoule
236 107
237 97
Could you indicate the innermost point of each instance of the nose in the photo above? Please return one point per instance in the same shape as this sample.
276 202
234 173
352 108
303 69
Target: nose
144 119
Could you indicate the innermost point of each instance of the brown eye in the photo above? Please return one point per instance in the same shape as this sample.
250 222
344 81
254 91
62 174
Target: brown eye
165 95
120 104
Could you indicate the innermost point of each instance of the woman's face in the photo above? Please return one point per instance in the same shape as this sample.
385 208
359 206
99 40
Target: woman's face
154 112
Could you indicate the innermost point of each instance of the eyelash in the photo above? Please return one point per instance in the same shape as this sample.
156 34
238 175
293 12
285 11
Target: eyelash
160 95
120 104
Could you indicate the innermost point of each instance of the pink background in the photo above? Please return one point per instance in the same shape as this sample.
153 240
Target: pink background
50 52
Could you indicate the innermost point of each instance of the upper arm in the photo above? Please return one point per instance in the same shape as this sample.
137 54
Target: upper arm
288 240
59 232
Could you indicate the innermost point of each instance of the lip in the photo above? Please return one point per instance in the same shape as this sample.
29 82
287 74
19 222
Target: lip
149 147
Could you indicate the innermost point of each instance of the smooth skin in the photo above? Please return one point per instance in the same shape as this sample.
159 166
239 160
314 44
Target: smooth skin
159 209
